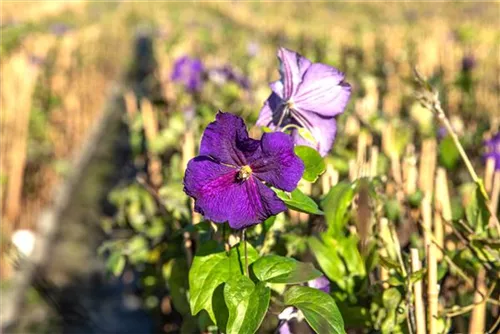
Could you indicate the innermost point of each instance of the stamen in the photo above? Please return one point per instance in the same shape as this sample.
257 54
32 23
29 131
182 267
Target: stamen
283 115
244 173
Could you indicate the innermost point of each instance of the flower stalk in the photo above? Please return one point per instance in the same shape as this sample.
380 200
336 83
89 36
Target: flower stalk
429 98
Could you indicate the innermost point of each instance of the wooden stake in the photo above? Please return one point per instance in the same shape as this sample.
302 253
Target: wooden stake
410 173
495 193
418 298
489 173
385 236
442 211
432 288
427 166
130 104
426 219
373 161
151 129
478 316
187 149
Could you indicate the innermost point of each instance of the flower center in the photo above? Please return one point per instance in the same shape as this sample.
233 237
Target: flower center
244 173
290 104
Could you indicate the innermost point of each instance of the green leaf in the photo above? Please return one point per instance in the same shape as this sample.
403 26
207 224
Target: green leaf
307 135
336 204
329 260
313 162
116 263
448 153
319 309
389 263
298 201
417 276
211 267
392 209
349 251
247 304
279 269
476 210
175 272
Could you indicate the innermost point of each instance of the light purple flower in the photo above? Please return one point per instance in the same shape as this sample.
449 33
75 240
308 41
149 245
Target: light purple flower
493 150
307 95
59 29
226 73
189 72
253 48
321 283
229 179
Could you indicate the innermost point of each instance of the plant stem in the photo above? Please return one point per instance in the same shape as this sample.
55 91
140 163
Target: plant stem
244 240
447 124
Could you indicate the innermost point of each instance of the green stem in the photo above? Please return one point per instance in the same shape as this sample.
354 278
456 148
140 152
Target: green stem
244 240
446 122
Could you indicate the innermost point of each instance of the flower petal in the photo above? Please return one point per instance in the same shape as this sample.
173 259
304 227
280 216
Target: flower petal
321 283
226 140
292 68
270 112
278 164
323 130
322 91
277 88
220 197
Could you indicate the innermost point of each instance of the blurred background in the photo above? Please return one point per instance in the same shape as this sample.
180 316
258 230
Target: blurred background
75 75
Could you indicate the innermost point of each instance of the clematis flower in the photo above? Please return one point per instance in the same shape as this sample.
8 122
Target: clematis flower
493 149
307 95
189 72
229 179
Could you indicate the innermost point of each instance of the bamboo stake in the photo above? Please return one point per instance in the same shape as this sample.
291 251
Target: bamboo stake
443 210
438 222
130 104
384 231
427 219
329 179
373 161
418 298
432 288
23 87
410 173
478 316
151 131
489 173
427 166
495 195
187 149
306 188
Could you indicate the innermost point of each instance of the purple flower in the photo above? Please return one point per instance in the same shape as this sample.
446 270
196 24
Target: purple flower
321 283
226 73
229 179
307 95
442 132
493 150
36 60
468 63
59 29
189 72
